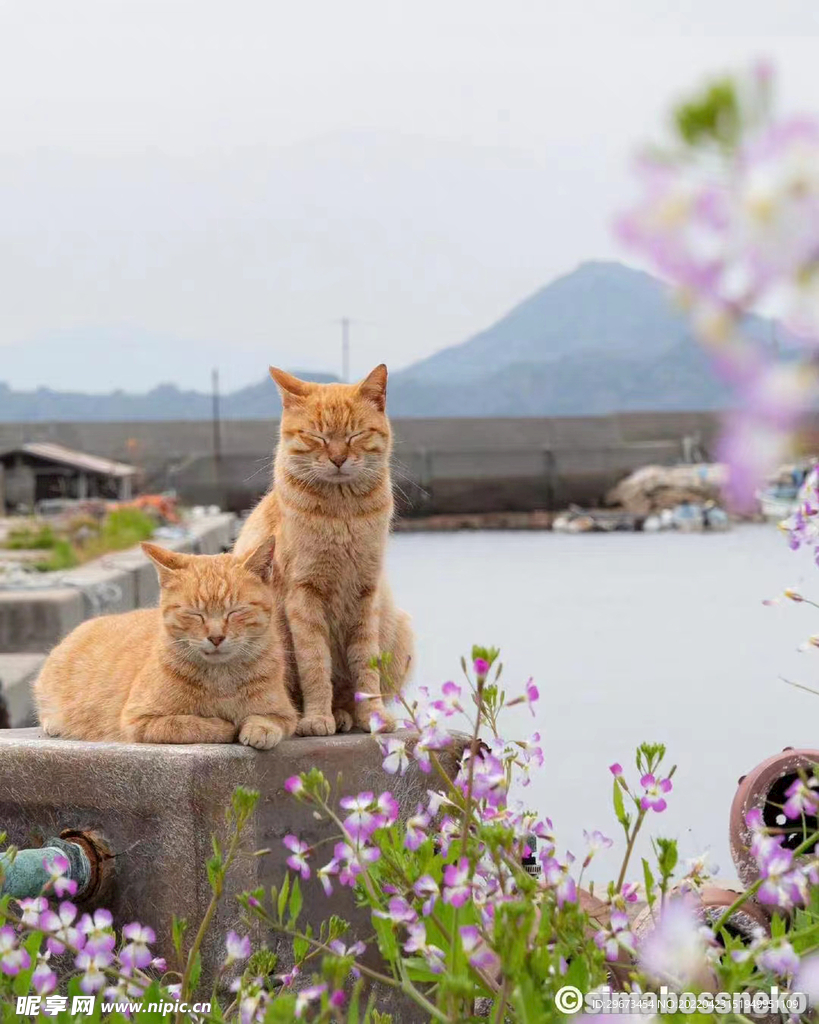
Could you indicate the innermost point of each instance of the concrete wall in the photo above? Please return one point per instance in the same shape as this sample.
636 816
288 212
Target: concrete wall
441 465
156 807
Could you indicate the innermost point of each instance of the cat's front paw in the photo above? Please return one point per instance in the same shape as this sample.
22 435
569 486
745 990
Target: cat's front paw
260 733
344 720
316 725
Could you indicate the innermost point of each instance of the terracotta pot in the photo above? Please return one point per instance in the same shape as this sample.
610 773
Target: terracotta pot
764 788
712 901
742 923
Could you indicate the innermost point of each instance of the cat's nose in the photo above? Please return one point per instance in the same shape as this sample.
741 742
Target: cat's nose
216 640
338 460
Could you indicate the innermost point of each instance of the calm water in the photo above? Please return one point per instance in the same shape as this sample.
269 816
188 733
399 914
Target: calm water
629 637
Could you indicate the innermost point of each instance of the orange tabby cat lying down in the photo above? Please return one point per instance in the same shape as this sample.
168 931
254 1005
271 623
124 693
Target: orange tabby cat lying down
204 665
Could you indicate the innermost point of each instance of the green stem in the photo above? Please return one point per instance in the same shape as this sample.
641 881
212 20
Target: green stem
630 849
752 890
193 952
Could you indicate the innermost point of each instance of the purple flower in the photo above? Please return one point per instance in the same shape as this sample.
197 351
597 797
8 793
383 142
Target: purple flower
417 943
399 911
57 866
352 861
307 996
556 876
481 667
783 885
530 697
324 873
294 785
675 951
362 822
60 925
298 859
394 751
93 965
655 789
616 937
431 738
595 841
387 807
616 770
44 980
457 883
480 955
451 699
98 925
13 959
802 798
416 828
447 831
136 953
427 888
357 948
237 947
779 959
31 909
807 979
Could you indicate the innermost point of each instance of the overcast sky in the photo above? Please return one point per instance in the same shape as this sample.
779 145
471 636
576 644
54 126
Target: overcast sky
189 182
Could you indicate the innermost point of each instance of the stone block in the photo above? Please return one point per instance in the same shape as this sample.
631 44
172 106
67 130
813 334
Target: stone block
35 620
157 806
17 673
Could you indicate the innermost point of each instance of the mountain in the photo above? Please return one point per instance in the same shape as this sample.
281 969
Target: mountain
602 308
604 338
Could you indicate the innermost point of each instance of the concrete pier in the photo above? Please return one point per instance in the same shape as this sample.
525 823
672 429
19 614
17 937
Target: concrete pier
155 808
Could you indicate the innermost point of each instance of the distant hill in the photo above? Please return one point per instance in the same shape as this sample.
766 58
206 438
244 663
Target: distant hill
604 338
166 402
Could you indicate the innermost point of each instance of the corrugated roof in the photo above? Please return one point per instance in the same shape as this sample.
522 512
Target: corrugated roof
69 457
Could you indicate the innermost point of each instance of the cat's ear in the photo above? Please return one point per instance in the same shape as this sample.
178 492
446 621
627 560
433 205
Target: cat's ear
291 389
374 387
260 560
167 562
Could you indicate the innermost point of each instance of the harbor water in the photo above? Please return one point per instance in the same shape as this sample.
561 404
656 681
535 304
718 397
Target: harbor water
629 637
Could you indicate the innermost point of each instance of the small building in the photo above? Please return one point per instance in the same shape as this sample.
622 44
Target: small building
38 471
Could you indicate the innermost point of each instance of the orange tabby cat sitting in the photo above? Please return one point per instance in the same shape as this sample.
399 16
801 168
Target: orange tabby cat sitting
203 666
330 510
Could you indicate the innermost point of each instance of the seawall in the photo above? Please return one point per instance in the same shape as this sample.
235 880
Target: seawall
441 465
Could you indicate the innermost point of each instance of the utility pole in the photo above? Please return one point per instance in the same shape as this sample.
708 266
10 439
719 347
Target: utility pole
345 349
217 427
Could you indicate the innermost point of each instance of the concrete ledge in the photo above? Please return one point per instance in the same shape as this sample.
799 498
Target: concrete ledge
157 806
35 620
17 673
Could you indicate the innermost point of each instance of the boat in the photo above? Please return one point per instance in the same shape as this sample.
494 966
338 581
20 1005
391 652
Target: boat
780 498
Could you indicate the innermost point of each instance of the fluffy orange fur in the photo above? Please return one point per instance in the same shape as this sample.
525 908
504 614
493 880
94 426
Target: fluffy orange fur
205 665
330 510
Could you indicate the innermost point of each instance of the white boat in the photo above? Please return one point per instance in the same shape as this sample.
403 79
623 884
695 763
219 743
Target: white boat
778 501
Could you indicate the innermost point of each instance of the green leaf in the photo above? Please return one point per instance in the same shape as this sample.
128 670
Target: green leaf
648 878
296 902
285 892
619 806
178 928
